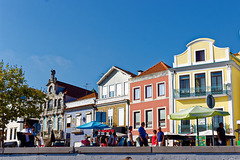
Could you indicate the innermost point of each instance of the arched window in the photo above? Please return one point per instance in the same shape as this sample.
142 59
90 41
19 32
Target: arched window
55 103
59 123
49 125
50 104
50 89
59 103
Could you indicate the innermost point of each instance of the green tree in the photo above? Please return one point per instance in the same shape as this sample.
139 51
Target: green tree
17 99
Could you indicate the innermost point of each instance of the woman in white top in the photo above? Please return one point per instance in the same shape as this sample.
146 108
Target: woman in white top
130 137
27 131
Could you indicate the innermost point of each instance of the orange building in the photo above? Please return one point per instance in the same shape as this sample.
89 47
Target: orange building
149 99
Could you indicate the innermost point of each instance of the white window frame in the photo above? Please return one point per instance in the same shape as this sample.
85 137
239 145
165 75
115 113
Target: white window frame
157 89
136 129
118 91
69 115
112 85
88 114
76 118
164 107
150 98
201 72
205 55
145 118
119 116
190 79
137 100
106 95
110 116
126 93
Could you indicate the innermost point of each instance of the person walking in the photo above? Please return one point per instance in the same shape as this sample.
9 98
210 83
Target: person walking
130 137
160 137
154 138
142 135
221 135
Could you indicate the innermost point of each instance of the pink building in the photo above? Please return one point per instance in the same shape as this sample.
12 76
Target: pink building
149 99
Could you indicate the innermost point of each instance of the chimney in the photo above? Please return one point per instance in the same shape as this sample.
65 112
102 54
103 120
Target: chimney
140 72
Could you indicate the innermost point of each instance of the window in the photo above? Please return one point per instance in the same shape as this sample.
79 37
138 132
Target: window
69 119
111 91
216 79
15 133
49 124
119 89
136 93
161 89
104 92
148 91
59 124
110 117
59 103
184 86
202 124
55 102
121 117
200 56
200 85
162 117
185 126
50 104
50 89
125 88
137 119
149 119
78 120
88 117
11 130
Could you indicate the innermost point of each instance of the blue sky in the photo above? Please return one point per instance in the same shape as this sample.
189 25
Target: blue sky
81 39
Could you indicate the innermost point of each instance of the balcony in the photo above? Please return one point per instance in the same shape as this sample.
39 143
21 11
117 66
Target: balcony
200 91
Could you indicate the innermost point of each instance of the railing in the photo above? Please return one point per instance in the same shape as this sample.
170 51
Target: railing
187 129
200 91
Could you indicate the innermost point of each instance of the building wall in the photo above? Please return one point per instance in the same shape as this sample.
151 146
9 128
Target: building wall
115 108
76 138
155 103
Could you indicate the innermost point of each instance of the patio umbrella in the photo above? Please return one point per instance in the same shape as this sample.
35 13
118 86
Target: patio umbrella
93 125
196 112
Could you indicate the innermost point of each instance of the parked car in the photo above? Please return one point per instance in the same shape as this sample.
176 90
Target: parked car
59 143
10 144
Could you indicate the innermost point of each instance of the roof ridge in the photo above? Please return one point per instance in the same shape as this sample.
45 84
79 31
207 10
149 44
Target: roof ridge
126 71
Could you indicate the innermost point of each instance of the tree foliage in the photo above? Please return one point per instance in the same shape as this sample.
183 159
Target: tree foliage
17 99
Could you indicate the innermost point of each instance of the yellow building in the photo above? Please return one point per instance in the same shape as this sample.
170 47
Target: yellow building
201 70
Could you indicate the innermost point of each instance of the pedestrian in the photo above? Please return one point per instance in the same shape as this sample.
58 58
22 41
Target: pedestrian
103 140
160 137
35 138
154 138
221 135
85 142
142 135
27 131
115 140
95 139
130 137
110 139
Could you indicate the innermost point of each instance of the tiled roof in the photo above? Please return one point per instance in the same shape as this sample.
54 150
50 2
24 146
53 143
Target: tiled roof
133 75
92 95
156 68
73 91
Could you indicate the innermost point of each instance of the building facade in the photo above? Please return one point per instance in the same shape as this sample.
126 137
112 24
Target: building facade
58 93
113 97
77 113
149 99
201 70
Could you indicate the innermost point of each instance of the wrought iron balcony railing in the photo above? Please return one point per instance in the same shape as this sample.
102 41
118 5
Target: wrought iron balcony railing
200 91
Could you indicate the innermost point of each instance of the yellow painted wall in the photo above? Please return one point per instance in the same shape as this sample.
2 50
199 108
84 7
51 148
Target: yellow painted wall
236 94
199 46
207 76
220 102
115 113
182 58
219 53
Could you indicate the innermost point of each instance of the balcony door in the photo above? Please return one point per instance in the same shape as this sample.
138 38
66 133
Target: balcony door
200 84
184 86
216 79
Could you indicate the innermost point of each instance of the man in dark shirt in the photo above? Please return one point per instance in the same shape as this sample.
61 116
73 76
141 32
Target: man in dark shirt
142 135
160 137
221 135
